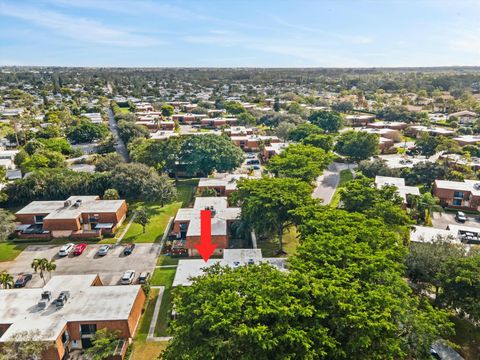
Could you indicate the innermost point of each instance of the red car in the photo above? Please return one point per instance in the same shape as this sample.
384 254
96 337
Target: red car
79 248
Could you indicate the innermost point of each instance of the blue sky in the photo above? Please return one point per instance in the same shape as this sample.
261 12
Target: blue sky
265 33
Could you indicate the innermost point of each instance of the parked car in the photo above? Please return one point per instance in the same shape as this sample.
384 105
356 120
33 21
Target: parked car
79 249
256 167
22 280
128 249
143 277
66 249
127 277
460 217
251 156
253 162
103 250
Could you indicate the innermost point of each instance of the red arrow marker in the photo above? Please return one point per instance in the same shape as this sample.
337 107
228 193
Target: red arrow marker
205 248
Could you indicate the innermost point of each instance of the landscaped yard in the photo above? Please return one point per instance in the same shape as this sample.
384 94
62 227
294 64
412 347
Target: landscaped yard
290 243
345 176
9 251
164 277
143 350
167 260
159 216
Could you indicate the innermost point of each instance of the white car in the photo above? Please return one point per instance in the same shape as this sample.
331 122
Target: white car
128 277
66 249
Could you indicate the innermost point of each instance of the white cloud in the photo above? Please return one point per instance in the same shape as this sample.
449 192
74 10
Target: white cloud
80 29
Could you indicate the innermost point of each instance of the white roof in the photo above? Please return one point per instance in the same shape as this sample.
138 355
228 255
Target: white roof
464 113
426 234
18 307
229 181
467 185
399 183
58 210
222 215
189 268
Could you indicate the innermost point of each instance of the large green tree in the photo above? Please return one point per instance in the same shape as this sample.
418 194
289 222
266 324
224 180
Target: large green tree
104 343
7 224
138 181
304 130
459 279
86 132
330 121
357 145
305 162
267 203
427 144
208 153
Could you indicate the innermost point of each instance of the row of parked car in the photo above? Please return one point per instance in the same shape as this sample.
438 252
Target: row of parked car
78 249
128 277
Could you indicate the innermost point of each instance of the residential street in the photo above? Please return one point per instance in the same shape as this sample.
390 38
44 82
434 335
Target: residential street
120 145
327 182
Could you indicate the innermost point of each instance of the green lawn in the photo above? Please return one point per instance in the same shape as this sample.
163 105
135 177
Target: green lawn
147 316
345 176
167 260
125 110
9 251
154 230
158 215
271 246
143 350
164 277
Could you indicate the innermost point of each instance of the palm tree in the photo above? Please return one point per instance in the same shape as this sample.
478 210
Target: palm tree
43 265
6 280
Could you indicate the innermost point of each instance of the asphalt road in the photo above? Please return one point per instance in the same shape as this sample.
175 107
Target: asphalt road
110 267
327 182
120 147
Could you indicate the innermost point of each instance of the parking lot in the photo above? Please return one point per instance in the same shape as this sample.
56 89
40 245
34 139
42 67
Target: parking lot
110 267
441 220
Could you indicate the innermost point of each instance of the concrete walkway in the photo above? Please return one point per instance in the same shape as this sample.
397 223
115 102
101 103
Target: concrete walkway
156 312
120 238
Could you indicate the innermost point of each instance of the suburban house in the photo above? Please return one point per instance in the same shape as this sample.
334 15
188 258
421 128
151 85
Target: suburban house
186 226
394 125
78 216
189 268
223 184
217 122
253 142
399 183
359 120
95 118
273 149
464 117
67 312
238 131
7 158
188 118
154 123
458 194
454 233
418 130
467 140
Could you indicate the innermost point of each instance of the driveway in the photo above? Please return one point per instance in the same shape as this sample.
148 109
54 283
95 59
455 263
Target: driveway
120 147
110 267
442 220
327 182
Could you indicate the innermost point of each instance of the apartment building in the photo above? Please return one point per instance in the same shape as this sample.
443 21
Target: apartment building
67 312
458 194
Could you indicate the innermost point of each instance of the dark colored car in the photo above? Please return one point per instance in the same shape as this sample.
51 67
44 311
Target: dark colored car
128 249
22 280
143 277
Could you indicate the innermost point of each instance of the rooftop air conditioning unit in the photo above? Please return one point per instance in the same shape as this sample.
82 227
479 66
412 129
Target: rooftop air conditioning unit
67 203
78 203
476 186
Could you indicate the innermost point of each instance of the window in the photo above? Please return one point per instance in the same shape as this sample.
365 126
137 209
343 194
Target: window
458 194
65 337
38 219
88 329
457 202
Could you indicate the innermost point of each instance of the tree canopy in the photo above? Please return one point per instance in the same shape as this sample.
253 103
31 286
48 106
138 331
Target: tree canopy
305 162
330 121
357 145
